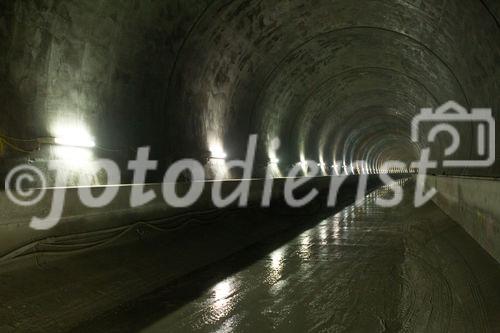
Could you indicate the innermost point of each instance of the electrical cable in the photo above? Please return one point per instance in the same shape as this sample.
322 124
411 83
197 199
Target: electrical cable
115 150
15 147
16 139
110 235
8 141
87 241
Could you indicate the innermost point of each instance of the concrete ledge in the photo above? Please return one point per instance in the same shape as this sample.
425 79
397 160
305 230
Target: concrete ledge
21 245
474 203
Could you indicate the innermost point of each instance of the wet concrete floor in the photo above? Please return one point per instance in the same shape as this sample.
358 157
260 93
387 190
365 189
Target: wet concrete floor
363 269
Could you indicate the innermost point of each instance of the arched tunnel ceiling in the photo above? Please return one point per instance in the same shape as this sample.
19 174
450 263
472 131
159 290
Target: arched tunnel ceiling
334 80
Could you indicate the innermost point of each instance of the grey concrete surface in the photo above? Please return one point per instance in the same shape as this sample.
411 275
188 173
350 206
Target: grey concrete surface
474 204
363 269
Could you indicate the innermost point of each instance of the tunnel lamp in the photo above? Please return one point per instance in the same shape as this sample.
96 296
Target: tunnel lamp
219 156
75 141
70 134
304 165
217 153
336 169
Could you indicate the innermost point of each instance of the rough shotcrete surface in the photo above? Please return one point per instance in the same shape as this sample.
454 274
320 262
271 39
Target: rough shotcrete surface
335 80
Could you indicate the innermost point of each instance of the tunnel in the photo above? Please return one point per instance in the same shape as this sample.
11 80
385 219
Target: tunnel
246 165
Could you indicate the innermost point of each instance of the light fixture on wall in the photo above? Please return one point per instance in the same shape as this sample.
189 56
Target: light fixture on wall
77 142
69 134
216 152
71 144
215 146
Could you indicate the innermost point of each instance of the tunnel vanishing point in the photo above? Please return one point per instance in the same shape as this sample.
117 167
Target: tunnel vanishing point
116 111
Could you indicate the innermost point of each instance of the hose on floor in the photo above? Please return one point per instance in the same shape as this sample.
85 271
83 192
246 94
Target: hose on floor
83 242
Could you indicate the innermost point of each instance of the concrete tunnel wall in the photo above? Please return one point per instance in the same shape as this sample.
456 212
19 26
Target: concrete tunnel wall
336 81
473 203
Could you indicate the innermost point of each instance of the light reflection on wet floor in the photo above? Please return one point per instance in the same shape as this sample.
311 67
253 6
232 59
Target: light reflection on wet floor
364 269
